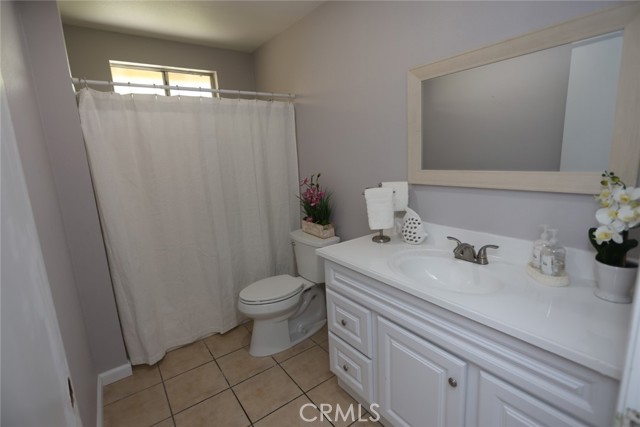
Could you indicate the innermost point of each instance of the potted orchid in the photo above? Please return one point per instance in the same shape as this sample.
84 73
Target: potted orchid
316 208
619 212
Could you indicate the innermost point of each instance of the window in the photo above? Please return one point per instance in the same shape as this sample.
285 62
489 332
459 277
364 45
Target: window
127 72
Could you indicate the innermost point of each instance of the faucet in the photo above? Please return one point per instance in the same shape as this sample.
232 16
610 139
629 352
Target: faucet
467 252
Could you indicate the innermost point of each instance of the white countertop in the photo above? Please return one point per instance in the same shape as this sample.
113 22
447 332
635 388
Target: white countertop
569 321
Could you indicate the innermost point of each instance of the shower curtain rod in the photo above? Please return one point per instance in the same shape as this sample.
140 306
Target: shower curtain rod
76 80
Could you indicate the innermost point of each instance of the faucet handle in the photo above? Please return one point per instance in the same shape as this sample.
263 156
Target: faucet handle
482 254
454 239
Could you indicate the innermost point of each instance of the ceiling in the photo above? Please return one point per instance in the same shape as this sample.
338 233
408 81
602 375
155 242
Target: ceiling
236 25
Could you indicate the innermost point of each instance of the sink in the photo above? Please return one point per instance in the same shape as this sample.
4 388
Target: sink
439 269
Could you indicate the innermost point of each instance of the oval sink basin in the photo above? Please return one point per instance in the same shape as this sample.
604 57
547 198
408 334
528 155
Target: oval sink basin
441 270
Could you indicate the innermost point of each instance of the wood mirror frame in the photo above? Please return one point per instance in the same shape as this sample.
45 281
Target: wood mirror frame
624 156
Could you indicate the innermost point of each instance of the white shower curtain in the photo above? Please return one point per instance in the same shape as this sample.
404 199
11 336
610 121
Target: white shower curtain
197 198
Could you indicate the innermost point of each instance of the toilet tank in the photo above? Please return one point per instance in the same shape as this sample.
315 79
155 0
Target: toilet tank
310 266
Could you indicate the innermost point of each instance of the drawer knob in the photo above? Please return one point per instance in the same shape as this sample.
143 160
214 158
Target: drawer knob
345 367
453 382
343 322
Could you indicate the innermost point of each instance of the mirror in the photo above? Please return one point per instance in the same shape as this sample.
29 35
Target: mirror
547 111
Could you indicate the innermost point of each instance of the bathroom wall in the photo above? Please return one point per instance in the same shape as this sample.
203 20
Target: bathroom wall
347 62
90 50
32 128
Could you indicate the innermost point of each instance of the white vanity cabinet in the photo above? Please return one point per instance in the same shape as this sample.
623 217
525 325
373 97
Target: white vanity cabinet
428 366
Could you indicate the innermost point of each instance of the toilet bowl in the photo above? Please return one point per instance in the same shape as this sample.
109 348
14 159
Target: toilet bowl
286 309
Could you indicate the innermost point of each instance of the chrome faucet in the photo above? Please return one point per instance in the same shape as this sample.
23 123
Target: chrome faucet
467 252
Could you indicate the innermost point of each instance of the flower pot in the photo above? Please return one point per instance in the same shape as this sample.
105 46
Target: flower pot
318 230
615 284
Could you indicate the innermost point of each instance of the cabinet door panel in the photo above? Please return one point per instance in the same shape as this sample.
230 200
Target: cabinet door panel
415 380
503 405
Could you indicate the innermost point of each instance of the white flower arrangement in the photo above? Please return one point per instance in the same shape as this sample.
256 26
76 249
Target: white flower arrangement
619 212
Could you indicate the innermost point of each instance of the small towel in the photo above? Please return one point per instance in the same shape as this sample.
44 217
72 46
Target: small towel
379 207
401 195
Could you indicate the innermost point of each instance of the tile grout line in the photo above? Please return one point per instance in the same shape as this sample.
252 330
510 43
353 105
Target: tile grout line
230 387
166 395
304 393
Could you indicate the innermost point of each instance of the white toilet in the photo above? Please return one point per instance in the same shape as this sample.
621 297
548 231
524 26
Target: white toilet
285 309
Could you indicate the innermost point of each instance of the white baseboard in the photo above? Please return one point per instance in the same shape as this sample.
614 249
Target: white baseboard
115 374
108 377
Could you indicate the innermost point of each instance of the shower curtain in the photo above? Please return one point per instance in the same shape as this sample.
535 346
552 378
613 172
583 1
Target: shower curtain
196 198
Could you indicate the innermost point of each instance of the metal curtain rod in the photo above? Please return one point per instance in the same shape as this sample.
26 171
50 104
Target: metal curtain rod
76 80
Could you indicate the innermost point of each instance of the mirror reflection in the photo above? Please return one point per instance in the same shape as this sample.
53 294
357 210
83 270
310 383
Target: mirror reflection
551 110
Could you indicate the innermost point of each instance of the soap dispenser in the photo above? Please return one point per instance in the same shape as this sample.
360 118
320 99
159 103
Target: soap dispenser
553 256
538 245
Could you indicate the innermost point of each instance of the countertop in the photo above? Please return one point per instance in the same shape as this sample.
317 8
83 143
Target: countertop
568 321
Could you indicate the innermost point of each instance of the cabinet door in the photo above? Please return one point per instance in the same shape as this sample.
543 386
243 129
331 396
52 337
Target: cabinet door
419 384
503 405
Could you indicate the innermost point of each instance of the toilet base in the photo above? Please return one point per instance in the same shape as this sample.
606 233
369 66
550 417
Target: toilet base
268 337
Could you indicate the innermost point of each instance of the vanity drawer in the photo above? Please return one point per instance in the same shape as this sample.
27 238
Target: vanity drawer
350 321
354 369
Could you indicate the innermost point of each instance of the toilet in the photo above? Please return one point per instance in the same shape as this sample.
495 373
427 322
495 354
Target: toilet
285 309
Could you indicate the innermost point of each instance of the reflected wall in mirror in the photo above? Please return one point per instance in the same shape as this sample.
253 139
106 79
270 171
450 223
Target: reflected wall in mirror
547 111
535 112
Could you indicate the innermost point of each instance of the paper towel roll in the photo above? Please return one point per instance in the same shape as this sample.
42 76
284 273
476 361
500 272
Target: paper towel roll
401 195
379 207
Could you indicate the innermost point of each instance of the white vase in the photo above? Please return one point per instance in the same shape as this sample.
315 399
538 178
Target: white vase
412 228
615 284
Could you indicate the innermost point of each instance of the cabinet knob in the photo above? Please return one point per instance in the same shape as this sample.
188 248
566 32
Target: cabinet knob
345 367
343 322
453 382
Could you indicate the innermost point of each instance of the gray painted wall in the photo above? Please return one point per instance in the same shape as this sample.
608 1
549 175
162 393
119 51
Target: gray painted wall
348 61
32 138
67 155
32 350
90 51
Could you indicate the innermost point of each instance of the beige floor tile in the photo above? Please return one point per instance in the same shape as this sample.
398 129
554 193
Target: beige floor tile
295 414
240 365
331 393
184 358
220 410
321 336
166 423
249 325
266 392
143 376
142 409
235 339
325 346
310 368
194 386
296 349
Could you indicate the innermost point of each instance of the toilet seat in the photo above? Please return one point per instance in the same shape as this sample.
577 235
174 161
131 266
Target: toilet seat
272 290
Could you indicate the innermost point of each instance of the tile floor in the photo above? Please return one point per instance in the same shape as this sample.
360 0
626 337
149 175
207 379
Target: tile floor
215 382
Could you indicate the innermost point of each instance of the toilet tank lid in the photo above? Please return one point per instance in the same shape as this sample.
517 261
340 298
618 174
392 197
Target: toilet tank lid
307 239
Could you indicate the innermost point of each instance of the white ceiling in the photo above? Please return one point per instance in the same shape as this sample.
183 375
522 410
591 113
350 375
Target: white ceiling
236 25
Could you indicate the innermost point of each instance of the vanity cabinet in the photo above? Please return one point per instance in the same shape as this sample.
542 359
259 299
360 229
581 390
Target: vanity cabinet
425 365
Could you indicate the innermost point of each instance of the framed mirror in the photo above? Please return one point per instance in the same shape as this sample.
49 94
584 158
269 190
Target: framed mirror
546 111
